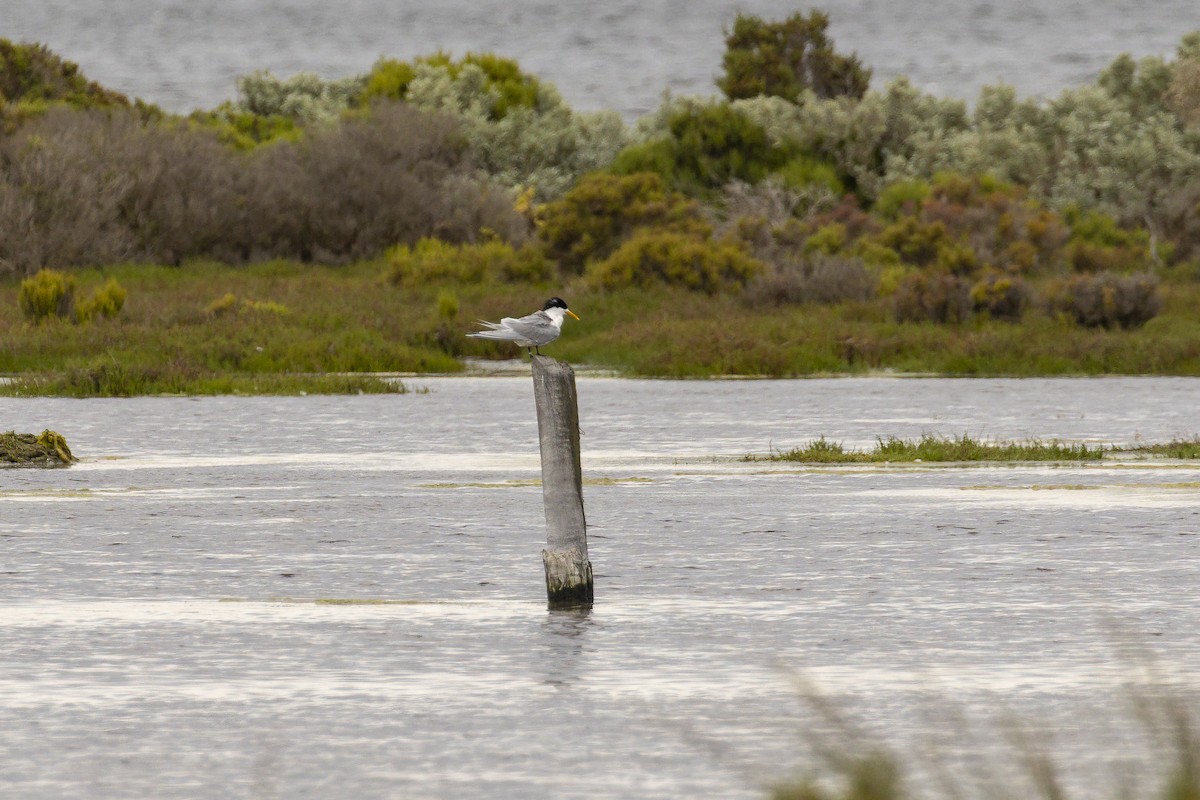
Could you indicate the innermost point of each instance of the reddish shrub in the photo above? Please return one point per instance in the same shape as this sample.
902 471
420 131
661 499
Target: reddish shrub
936 297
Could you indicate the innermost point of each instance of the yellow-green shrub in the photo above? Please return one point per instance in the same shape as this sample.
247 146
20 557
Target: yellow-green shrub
650 257
434 261
601 211
49 293
105 301
1002 296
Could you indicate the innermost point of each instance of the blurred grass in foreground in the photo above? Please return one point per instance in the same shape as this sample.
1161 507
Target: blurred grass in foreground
1160 759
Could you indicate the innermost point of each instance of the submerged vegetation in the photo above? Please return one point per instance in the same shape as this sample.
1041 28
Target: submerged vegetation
942 449
359 224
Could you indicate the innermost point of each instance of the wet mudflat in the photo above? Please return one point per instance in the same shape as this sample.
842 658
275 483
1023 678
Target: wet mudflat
318 596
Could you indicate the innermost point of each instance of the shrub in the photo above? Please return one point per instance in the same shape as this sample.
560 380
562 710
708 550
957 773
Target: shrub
704 147
1083 256
47 294
105 301
1001 297
902 197
433 261
916 242
498 79
652 256
350 191
1108 300
783 59
33 73
92 188
519 131
223 305
305 98
602 211
821 279
61 192
805 170
936 297
827 239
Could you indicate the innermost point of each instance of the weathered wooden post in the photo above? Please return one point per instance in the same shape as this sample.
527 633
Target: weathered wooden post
568 571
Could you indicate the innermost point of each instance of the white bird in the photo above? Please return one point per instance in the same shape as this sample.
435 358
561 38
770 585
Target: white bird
539 328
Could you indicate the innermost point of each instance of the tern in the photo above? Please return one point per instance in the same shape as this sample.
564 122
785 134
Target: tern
531 332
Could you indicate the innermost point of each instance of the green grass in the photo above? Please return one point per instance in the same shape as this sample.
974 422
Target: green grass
117 381
189 328
930 448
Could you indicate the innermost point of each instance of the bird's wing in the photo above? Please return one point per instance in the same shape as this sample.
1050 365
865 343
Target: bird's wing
537 327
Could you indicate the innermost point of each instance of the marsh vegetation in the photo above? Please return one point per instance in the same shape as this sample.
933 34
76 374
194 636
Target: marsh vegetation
802 223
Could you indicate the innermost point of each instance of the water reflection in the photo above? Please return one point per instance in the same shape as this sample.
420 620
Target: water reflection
564 640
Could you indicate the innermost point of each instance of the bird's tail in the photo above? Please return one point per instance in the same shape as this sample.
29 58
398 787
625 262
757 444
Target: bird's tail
498 334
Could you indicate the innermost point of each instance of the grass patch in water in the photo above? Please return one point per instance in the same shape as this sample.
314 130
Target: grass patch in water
931 448
1176 448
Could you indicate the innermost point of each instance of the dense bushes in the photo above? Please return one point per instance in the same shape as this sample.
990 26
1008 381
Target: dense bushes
86 188
518 130
31 73
51 294
434 261
1106 300
601 211
934 297
651 256
703 148
784 59
47 294
700 147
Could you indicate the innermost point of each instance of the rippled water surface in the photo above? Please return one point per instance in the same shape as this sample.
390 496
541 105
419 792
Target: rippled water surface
620 54
168 630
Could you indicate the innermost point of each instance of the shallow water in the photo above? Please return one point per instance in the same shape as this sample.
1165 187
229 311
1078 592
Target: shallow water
614 55
163 636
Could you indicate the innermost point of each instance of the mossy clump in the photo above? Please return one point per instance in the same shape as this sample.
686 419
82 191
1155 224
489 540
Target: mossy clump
48 449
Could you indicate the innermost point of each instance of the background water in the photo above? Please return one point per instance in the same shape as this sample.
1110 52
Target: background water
620 54
161 635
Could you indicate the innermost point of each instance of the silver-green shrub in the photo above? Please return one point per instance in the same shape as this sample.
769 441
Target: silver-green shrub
306 98
546 147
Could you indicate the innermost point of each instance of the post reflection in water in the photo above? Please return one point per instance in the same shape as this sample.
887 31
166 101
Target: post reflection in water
564 640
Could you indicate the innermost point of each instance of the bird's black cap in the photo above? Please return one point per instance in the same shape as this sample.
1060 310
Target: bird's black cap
555 302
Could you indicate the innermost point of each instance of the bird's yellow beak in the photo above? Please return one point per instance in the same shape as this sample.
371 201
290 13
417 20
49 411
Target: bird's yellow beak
572 313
